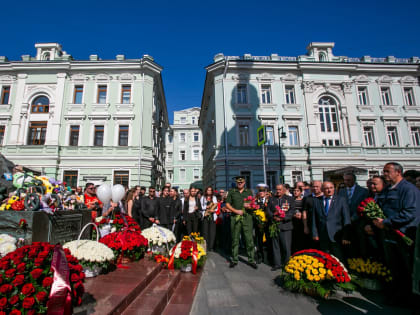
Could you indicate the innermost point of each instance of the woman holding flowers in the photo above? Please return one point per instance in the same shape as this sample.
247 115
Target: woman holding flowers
209 207
299 237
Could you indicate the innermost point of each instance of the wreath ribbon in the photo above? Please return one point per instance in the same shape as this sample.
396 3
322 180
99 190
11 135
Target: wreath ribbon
194 258
171 260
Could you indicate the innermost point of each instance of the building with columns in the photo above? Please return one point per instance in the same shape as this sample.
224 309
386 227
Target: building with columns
324 115
184 163
84 120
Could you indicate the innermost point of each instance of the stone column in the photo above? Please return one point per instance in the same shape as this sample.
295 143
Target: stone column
19 115
311 114
351 113
54 123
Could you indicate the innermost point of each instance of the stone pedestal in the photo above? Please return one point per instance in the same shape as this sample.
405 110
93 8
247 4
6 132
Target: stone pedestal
62 227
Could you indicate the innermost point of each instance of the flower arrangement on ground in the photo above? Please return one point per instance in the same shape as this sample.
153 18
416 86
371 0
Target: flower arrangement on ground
279 213
159 239
370 209
26 278
315 273
368 269
92 255
7 244
195 236
127 242
187 253
160 259
115 224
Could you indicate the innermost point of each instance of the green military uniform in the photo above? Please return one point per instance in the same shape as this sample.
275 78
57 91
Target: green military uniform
238 223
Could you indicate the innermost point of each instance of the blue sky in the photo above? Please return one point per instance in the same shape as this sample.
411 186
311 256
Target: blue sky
183 36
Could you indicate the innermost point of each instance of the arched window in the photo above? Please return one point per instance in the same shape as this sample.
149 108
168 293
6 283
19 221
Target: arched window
41 104
46 56
329 121
322 57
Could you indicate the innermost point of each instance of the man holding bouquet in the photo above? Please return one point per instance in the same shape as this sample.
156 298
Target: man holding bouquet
240 220
280 211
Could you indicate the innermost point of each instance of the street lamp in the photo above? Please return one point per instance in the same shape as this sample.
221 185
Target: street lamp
282 135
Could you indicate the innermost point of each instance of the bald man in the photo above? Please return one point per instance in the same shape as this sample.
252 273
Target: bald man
331 221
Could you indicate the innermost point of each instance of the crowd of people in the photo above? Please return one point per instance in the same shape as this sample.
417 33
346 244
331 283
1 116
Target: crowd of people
317 215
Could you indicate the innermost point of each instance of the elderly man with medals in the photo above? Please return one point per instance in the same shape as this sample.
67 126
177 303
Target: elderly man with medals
241 220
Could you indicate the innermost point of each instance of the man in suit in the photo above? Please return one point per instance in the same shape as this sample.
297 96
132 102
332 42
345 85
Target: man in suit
354 195
282 242
331 221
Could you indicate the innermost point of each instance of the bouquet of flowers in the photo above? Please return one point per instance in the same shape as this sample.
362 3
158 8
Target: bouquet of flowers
160 259
370 209
280 213
187 255
92 255
111 225
26 277
127 242
315 273
157 237
7 244
369 269
260 217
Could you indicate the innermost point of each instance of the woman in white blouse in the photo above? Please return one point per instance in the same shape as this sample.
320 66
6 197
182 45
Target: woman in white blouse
209 207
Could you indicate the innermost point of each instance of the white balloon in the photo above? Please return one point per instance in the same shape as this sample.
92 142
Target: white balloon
118 192
104 193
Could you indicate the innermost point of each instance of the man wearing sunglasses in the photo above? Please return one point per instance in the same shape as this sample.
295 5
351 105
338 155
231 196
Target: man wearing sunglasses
91 200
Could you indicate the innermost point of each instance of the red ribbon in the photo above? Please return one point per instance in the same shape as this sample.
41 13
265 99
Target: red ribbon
194 258
59 302
171 260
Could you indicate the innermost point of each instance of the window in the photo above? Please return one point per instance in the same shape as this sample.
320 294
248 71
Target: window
196 136
40 105
74 135
78 94
123 136
392 136
5 94
269 135
2 131
182 155
290 94
243 135
170 175
247 176
271 180
121 177
98 140
363 96
241 94
196 155
386 96
369 137
408 97
415 136
196 173
329 121
70 177
170 156
322 57
296 177
126 94
101 94
182 174
194 119
170 138
266 94
293 136
37 132
183 120
182 137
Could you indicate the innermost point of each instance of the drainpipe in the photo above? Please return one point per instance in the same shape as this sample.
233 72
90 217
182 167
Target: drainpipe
141 125
225 127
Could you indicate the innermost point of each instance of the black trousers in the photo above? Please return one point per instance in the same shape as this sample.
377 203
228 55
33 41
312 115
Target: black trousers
192 223
209 231
282 247
258 241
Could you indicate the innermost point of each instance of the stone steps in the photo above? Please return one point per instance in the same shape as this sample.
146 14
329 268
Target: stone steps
154 298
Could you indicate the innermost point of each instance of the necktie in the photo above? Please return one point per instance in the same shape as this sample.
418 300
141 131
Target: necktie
327 205
349 194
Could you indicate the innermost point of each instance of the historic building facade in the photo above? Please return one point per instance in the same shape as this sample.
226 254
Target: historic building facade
84 120
324 114
184 162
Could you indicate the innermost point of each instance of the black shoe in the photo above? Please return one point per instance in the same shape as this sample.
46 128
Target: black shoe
253 265
275 268
233 264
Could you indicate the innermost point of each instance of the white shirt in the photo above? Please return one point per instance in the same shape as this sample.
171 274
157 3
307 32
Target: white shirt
191 205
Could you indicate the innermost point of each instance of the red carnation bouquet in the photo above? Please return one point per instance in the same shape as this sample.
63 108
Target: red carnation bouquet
187 255
278 213
127 242
370 209
250 204
110 225
26 278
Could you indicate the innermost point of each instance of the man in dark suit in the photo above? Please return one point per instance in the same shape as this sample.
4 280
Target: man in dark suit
354 195
331 221
282 242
